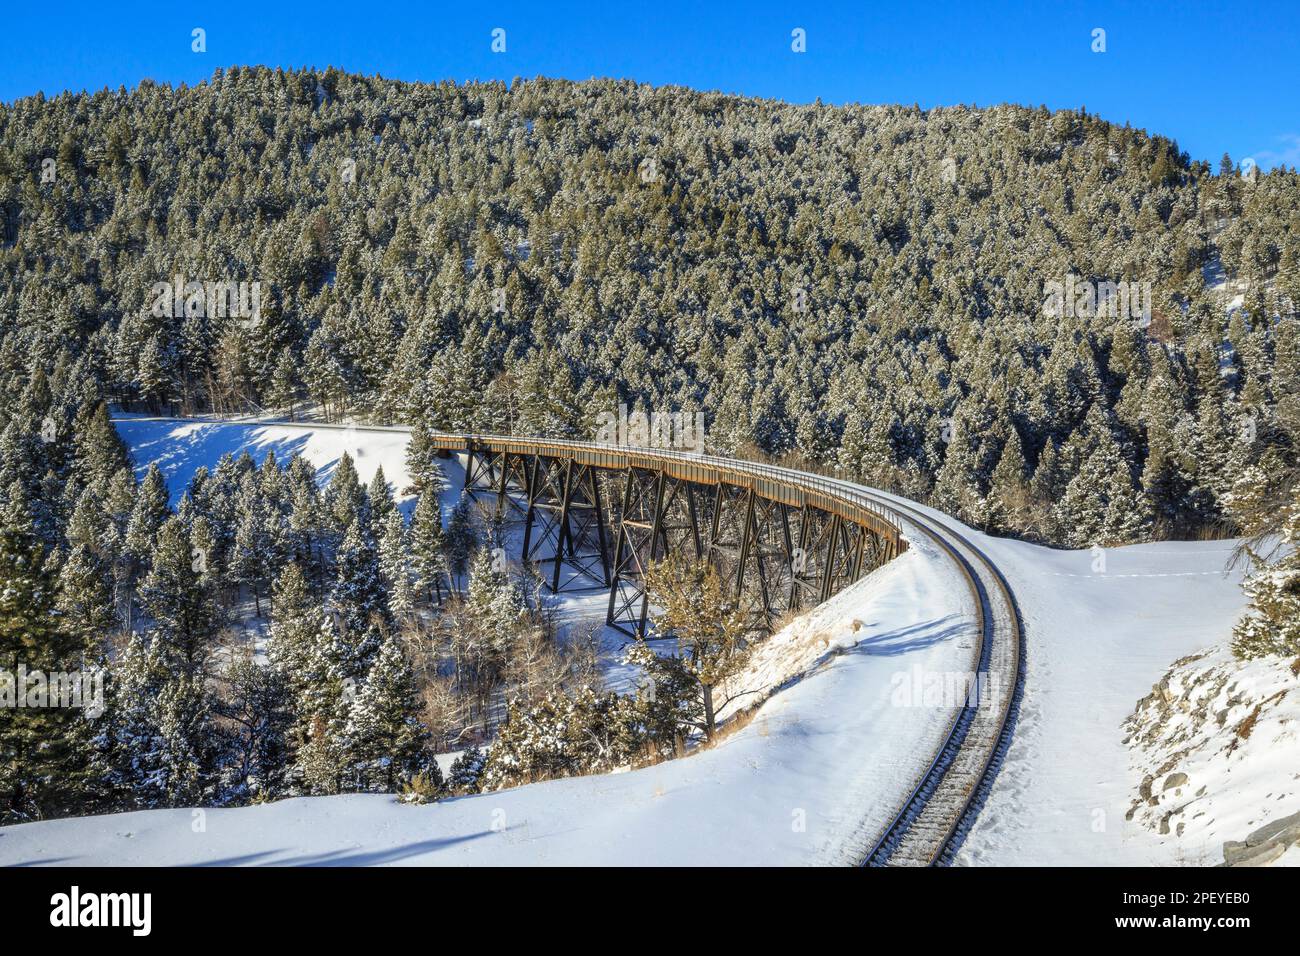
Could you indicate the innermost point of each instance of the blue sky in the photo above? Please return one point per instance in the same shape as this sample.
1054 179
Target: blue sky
1214 76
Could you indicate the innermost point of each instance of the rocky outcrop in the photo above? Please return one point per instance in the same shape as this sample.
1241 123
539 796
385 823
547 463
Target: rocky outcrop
1213 749
1264 845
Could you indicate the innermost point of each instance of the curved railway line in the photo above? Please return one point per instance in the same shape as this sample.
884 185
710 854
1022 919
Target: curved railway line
929 824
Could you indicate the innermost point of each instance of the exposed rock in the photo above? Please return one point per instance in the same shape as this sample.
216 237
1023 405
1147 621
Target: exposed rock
1265 844
1252 855
1174 780
1234 850
1202 742
1282 829
1144 789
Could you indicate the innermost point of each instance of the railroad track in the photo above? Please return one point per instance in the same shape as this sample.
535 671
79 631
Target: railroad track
931 823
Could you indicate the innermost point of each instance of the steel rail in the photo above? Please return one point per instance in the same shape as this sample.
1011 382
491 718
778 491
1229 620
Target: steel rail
964 790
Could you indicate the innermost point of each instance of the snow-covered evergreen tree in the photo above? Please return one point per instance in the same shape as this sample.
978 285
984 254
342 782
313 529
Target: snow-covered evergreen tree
395 565
466 771
1271 625
385 739
428 547
358 594
181 609
256 711
44 754
147 515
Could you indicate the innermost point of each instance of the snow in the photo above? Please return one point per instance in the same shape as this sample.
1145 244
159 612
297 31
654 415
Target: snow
1102 628
1218 742
810 779
179 448
813 774
1097 641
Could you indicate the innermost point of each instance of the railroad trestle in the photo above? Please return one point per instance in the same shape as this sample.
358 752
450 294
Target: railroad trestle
782 541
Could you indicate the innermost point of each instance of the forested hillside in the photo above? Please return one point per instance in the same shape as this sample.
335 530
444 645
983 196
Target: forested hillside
840 283
850 288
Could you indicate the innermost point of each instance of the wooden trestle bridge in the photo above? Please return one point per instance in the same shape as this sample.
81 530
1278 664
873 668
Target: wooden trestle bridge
783 539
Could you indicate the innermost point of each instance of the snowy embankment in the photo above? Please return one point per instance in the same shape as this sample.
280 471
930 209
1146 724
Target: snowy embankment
1219 741
180 448
810 779
1102 628
1098 639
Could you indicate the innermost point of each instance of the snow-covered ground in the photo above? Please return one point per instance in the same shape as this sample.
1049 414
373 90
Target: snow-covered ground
808 780
1102 628
1218 741
1097 641
825 759
179 448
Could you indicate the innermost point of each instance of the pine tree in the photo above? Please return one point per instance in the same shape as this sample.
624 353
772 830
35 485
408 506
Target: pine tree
186 751
380 497
251 557
344 500
305 532
1128 513
182 610
385 737
324 375
323 684
129 742
956 489
85 599
428 546
466 772
460 539
100 452
493 599
255 753
358 594
395 565
283 393
44 753
158 739
1100 505
147 516
1007 505
295 621
1271 624
562 736
422 463
155 378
